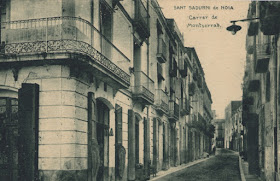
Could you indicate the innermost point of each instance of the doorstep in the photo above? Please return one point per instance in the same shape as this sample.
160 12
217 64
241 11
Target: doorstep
244 174
163 173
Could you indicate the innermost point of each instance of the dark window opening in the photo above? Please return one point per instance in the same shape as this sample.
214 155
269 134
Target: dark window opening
137 141
267 87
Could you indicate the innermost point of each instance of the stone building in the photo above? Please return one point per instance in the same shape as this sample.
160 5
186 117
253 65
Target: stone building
261 91
201 113
229 125
219 136
237 130
97 90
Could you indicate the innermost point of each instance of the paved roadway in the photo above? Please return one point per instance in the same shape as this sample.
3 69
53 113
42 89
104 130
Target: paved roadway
222 167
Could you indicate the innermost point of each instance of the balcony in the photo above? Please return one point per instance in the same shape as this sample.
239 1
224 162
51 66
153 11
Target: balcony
173 110
254 85
65 38
141 19
115 2
173 67
195 75
161 101
185 107
143 89
183 67
263 56
173 84
200 81
201 122
192 88
160 72
161 51
269 17
253 28
248 100
197 122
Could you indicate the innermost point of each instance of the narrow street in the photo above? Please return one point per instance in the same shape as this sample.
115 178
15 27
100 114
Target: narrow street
223 166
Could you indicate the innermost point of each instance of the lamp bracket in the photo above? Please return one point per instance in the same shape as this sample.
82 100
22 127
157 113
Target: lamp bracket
242 20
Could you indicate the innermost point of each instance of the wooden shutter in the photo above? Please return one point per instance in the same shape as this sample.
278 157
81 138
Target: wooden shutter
118 117
164 145
147 146
131 145
93 148
119 149
28 132
155 155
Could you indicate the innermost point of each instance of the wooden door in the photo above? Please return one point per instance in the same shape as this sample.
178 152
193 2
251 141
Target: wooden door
8 139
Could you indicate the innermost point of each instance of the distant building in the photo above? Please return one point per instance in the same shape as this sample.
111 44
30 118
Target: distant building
219 136
229 110
237 130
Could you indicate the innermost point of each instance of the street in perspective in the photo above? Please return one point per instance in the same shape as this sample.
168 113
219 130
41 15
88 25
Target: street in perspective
136 90
223 166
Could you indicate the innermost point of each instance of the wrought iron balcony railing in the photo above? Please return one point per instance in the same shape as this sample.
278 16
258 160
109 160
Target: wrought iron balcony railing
183 67
263 51
199 81
161 101
141 19
143 88
173 67
64 35
195 75
160 71
192 88
185 106
263 56
161 51
173 110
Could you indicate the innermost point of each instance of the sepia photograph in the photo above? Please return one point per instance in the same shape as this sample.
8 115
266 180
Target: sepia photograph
137 90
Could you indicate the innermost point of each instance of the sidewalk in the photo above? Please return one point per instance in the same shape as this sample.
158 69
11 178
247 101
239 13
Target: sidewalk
163 173
244 173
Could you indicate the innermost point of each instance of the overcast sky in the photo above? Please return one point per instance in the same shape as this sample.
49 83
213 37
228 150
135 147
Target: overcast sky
221 54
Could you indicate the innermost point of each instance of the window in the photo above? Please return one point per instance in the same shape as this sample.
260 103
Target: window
267 95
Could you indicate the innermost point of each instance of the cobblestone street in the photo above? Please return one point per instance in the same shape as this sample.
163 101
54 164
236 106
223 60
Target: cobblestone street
223 166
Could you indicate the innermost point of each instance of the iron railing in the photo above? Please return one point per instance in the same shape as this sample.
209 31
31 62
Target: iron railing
173 109
161 100
173 67
185 106
161 50
263 51
64 34
143 85
160 71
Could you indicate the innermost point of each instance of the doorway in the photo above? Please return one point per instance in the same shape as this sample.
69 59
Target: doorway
102 132
8 138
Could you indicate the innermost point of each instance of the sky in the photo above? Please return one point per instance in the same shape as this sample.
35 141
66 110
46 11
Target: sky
222 55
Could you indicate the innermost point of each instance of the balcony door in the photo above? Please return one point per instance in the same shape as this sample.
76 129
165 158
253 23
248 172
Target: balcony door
106 30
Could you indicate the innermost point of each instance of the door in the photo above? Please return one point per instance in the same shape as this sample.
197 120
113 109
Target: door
102 129
8 139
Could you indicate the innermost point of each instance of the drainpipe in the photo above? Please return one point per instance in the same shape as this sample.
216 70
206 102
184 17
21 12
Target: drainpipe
276 98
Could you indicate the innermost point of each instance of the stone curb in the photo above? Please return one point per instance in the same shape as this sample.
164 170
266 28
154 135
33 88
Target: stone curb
241 170
180 168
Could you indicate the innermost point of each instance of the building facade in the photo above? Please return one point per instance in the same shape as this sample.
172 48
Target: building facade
238 131
219 136
229 124
261 91
97 90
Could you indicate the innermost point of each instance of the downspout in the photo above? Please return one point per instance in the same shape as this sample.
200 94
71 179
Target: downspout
276 98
